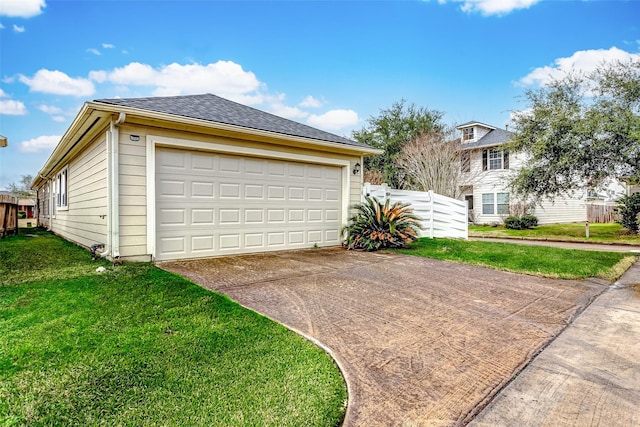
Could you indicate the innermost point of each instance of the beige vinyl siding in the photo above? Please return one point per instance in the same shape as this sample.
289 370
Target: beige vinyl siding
132 178
133 194
84 221
355 189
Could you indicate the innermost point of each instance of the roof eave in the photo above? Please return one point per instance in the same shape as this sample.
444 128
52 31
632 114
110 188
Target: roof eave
85 121
240 131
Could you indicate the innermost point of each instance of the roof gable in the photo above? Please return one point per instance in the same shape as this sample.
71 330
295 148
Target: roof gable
472 123
493 138
215 109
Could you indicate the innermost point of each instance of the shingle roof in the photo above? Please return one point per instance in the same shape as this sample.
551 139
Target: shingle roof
493 138
213 108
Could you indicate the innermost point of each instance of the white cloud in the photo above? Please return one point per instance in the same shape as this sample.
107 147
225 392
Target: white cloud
41 143
492 7
21 8
58 83
94 51
311 102
287 112
582 61
107 46
1 26
18 29
224 78
10 107
98 76
3 94
49 109
57 115
334 120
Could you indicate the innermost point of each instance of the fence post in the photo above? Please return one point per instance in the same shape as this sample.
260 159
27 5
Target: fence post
366 190
431 197
387 192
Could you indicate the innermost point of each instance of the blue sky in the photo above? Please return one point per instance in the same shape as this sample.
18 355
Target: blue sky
330 64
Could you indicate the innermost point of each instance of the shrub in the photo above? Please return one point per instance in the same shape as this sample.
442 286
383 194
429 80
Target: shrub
520 223
628 210
529 221
513 223
377 226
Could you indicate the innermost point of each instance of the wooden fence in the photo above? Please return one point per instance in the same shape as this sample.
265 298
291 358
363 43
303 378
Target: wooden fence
8 215
440 216
601 213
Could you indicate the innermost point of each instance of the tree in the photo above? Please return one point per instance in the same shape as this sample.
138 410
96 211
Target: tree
579 131
22 189
432 161
390 131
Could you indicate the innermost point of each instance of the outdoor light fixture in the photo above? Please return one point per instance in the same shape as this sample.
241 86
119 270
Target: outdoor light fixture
356 168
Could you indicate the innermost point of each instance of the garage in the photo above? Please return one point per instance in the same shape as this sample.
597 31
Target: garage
211 204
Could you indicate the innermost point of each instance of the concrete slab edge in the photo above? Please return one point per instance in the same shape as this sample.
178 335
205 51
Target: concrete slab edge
497 390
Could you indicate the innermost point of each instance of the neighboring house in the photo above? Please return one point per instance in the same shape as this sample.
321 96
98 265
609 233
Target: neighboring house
487 167
195 176
28 206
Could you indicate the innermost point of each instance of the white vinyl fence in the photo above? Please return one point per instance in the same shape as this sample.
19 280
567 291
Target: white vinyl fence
440 216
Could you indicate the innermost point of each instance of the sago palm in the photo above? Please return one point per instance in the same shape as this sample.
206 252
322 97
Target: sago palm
377 226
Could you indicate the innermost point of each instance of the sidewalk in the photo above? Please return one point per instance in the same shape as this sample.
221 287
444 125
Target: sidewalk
566 245
588 376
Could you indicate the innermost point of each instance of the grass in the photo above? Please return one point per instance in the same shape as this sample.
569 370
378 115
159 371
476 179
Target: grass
534 260
136 345
604 233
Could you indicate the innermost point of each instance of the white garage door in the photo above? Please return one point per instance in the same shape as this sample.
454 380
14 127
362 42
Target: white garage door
212 204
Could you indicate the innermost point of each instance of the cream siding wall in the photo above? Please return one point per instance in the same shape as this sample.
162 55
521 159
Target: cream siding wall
132 179
85 220
133 197
355 192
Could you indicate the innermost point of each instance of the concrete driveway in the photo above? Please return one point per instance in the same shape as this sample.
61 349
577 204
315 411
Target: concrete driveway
420 341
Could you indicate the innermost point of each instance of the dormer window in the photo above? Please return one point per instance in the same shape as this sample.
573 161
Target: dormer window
467 134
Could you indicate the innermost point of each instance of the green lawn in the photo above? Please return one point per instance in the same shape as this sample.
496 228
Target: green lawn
609 233
136 345
536 260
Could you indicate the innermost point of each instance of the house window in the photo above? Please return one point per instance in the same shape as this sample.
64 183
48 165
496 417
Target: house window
495 203
61 188
502 203
465 161
467 134
495 159
487 204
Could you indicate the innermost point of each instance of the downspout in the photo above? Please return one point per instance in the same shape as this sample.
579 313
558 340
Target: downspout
113 192
107 248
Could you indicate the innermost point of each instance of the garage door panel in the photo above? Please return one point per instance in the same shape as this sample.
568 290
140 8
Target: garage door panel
202 243
210 204
202 189
203 217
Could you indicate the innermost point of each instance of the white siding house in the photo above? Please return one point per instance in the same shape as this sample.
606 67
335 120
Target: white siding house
488 166
195 176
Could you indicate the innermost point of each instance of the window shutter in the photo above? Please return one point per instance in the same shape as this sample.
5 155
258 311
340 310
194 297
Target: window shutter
484 160
506 159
